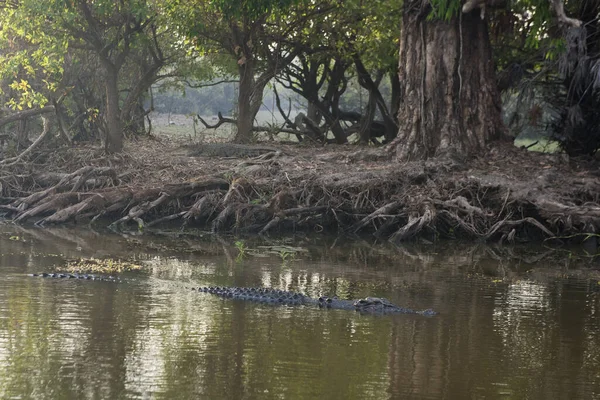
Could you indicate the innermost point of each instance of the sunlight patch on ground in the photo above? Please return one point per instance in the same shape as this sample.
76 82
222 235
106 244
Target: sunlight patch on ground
542 145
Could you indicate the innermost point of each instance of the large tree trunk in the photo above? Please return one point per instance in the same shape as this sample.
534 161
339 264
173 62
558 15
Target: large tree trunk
250 99
246 114
449 100
313 113
114 134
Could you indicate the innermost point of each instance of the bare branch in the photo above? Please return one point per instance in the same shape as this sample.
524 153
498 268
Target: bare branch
225 120
559 10
14 160
201 85
25 114
556 5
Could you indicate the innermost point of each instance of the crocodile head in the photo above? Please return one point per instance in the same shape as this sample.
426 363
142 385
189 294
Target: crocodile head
378 305
374 305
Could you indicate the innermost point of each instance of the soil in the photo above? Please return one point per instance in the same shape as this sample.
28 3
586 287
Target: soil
506 194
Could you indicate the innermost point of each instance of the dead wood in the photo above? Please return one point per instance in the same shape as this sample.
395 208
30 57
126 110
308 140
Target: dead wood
166 219
136 212
70 212
220 222
511 224
25 114
205 207
36 143
285 215
380 212
62 185
49 204
417 221
225 120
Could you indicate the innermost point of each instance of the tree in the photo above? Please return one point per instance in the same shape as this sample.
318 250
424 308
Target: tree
256 35
449 101
111 31
358 39
577 129
115 33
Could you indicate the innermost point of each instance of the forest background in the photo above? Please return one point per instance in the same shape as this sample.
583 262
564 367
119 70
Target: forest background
443 85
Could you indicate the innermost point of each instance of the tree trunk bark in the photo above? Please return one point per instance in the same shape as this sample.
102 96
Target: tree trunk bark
114 134
395 100
313 113
366 122
250 97
246 103
137 118
22 137
449 102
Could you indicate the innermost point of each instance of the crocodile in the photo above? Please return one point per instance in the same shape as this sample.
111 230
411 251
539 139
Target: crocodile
86 277
367 305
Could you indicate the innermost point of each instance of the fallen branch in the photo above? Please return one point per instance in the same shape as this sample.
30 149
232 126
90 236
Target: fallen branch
226 120
415 224
136 212
463 204
511 224
12 161
25 114
285 214
387 209
166 218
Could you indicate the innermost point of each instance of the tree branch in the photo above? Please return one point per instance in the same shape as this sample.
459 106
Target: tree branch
14 160
225 120
25 114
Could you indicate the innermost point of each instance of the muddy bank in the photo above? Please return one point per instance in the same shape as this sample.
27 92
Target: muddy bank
507 194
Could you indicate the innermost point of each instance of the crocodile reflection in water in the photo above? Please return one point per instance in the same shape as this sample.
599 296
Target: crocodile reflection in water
368 305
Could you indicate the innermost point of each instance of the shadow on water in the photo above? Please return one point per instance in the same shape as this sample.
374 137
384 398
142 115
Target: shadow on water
514 322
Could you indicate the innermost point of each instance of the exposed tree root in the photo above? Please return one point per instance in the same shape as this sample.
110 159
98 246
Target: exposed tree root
508 195
381 212
416 223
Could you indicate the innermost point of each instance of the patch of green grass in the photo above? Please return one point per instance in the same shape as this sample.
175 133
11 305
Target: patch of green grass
542 145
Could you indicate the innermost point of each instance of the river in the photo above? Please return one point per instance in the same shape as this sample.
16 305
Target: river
513 323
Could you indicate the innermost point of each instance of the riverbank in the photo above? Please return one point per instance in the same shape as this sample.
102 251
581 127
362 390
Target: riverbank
506 194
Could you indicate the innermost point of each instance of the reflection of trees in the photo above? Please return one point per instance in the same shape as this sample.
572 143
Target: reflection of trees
550 331
64 339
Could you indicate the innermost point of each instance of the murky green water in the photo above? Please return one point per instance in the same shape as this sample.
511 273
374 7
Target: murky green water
509 326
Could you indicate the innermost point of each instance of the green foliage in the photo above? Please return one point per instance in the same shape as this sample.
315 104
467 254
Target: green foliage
531 22
250 8
31 59
286 256
39 38
444 9
242 250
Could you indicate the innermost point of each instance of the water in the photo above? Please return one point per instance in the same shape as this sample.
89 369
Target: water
510 326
